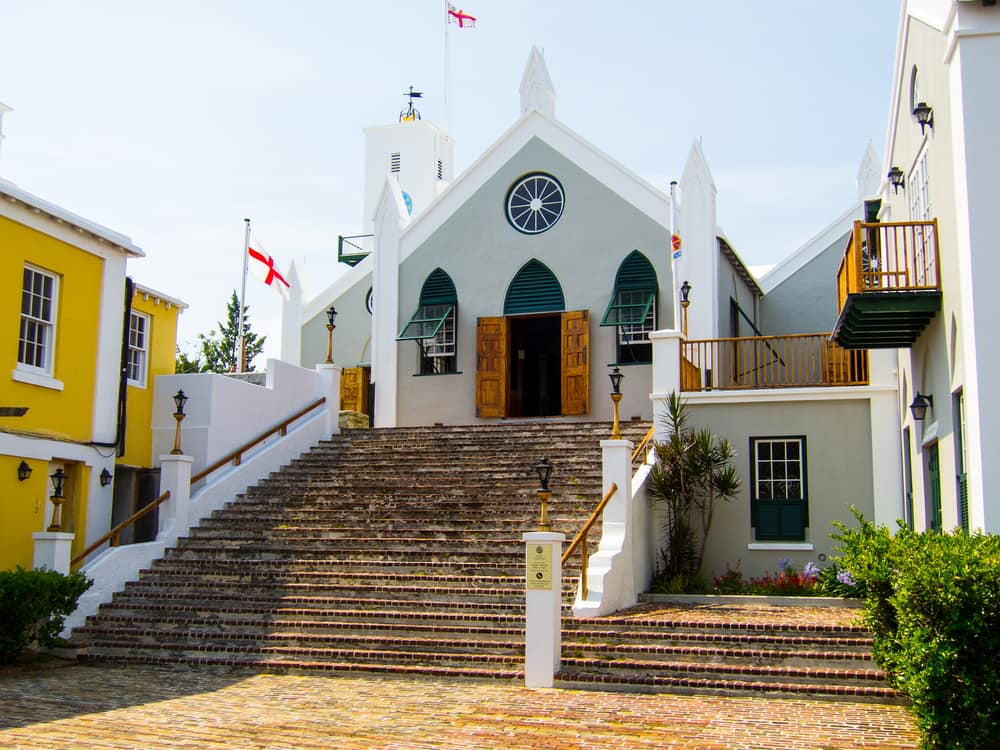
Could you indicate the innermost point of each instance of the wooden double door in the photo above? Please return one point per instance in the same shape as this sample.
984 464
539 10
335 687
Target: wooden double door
533 365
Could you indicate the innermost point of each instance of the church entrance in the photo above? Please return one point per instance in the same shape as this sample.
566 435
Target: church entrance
533 365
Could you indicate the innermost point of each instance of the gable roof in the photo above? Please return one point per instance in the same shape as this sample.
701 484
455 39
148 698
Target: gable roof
616 177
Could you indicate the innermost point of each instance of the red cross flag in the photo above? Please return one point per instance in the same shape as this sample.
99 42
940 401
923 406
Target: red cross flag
261 265
460 17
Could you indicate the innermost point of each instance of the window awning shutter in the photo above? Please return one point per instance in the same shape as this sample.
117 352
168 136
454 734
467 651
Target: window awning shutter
628 307
425 323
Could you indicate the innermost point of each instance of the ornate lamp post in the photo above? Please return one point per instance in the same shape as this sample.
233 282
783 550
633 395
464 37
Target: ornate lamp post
544 471
685 292
58 480
179 400
331 316
616 396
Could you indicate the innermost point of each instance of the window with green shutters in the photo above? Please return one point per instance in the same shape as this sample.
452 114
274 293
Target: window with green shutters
779 506
962 479
534 289
432 326
632 309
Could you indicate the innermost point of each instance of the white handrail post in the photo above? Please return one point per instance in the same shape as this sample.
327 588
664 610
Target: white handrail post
543 607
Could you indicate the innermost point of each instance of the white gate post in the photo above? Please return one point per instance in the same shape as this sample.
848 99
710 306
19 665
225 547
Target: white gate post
543 607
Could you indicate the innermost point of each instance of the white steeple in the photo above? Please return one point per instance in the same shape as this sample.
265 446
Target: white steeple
536 89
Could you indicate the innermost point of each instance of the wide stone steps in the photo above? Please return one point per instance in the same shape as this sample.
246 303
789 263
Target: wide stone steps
400 552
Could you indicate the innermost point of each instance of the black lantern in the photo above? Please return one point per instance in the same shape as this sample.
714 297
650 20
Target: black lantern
23 471
895 178
924 115
616 380
179 400
58 479
544 471
331 314
919 406
685 292
105 477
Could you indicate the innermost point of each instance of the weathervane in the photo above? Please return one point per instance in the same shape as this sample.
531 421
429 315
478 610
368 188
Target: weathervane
410 114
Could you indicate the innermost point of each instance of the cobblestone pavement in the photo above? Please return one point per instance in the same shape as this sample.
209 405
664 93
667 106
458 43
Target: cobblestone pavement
118 707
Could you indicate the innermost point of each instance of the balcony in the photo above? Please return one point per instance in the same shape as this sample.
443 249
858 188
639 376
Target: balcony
808 360
888 284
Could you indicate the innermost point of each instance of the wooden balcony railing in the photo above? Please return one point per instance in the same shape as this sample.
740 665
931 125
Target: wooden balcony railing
895 256
795 361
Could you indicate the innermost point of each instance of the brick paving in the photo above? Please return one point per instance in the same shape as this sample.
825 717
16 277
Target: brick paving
119 707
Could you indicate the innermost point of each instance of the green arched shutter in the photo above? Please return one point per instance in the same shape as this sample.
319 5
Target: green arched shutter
438 289
636 272
534 289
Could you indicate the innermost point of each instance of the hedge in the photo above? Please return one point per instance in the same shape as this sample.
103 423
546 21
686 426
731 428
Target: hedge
33 606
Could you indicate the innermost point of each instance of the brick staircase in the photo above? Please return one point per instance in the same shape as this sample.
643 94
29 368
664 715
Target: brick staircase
398 551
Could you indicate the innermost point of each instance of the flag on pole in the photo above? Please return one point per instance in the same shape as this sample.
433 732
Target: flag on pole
460 17
675 246
262 266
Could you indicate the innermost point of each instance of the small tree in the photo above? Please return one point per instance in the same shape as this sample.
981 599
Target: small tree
219 350
185 364
692 473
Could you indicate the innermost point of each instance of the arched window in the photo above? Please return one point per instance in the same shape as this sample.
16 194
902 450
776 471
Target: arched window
632 309
534 289
433 325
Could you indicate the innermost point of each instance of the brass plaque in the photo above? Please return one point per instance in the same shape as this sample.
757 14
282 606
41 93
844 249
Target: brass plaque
539 566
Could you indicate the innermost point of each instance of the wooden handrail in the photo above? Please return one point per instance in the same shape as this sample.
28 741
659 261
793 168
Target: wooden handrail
642 444
237 455
112 536
234 456
581 539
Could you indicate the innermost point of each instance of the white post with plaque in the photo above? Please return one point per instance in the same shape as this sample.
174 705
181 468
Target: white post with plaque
543 607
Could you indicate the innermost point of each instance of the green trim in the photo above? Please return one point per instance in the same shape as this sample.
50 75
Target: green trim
438 289
425 323
534 289
636 272
628 307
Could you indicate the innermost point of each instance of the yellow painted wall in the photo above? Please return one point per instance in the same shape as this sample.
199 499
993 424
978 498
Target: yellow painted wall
22 510
162 350
66 414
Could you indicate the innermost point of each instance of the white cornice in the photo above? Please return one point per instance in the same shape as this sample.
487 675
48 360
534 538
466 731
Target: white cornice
13 195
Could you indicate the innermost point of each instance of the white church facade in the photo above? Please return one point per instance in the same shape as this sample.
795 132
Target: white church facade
511 291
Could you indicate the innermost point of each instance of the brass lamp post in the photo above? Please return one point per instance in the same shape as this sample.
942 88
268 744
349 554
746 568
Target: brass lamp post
544 471
685 291
616 397
179 400
331 316
58 480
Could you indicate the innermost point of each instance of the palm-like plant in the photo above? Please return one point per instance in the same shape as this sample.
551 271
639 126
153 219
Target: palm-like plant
692 473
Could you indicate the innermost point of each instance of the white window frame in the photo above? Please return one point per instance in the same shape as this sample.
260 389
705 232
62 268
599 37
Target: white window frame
138 355
637 333
918 185
46 326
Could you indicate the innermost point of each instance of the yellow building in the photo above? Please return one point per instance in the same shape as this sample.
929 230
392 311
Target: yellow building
63 403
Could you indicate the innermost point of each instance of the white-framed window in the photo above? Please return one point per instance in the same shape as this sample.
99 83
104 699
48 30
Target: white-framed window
779 507
636 333
138 348
37 336
437 355
918 184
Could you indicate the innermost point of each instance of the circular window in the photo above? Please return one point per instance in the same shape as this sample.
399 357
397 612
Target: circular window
535 203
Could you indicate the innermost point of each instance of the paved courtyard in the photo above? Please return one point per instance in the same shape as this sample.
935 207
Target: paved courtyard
107 706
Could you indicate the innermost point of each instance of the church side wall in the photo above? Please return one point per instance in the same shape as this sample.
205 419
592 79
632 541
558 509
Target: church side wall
352 336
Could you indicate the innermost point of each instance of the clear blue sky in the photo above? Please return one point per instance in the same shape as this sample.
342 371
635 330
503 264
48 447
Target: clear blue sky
171 122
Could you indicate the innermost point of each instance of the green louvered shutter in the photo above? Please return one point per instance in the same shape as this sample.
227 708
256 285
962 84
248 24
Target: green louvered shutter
534 289
438 289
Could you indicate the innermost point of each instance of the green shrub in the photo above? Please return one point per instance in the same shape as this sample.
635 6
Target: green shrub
33 607
933 602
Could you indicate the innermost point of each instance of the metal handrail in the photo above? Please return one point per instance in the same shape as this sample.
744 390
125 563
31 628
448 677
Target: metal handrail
642 444
235 456
113 535
581 539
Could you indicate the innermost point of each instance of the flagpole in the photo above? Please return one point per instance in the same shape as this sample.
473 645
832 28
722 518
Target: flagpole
673 253
241 344
447 70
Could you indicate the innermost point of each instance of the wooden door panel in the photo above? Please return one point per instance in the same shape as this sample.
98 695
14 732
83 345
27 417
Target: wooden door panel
492 347
575 349
354 389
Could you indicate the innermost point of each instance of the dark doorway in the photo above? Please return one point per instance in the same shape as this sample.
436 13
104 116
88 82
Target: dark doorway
535 362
